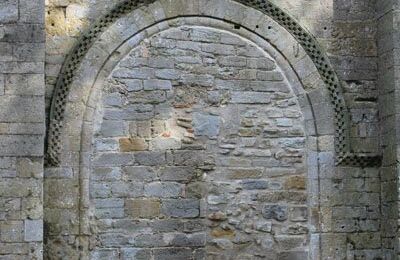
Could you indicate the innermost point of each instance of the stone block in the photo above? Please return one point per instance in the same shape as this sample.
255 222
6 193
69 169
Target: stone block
247 97
298 214
163 190
113 159
100 254
181 208
109 203
163 143
34 230
150 158
220 49
135 253
111 128
26 168
269 76
206 125
295 182
127 189
277 212
106 174
132 85
63 193
14 248
142 73
161 62
109 213
143 208
184 174
293 255
26 84
254 184
8 11
139 173
132 144
188 240
100 190
154 84
172 254
170 74
21 109
198 79
12 231
108 144
232 61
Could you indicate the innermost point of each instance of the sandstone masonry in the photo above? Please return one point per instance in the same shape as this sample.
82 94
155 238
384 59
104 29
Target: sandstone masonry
198 129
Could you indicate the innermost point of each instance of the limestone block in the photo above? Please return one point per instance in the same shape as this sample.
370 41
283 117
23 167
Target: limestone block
12 231
33 230
163 190
8 11
181 208
143 208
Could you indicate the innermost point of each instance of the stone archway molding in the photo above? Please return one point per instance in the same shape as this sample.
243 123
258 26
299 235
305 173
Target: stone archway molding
344 152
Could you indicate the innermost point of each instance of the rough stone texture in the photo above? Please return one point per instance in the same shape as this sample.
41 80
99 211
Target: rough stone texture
194 157
22 128
388 77
184 155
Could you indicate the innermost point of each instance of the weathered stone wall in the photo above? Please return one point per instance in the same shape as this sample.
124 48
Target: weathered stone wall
350 213
200 150
388 46
22 128
345 28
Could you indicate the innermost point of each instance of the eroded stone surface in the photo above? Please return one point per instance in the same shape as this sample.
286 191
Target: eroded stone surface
203 126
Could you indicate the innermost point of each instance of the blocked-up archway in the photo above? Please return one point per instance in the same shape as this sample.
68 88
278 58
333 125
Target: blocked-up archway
204 138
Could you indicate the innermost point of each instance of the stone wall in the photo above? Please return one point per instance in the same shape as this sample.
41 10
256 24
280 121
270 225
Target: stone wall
169 170
388 43
22 128
200 150
347 214
345 28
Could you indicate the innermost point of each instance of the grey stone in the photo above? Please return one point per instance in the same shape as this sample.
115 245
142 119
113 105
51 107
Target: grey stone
181 208
108 203
110 128
11 231
104 254
139 173
245 97
142 73
109 213
21 109
276 212
8 11
161 62
254 184
177 174
113 159
132 84
33 230
183 240
154 84
172 254
207 125
127 189
170 74
163 189
232 61
135 253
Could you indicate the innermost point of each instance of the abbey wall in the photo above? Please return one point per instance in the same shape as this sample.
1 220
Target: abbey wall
199 129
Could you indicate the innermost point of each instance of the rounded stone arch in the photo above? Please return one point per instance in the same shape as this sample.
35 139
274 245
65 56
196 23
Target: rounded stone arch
316 85
254 19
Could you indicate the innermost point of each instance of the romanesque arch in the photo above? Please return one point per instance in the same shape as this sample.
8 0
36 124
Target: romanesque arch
75 106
